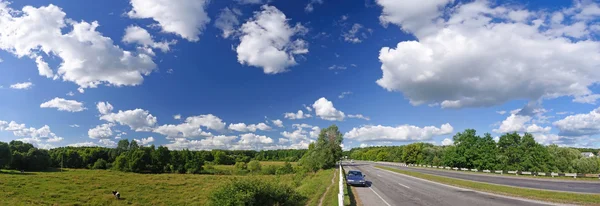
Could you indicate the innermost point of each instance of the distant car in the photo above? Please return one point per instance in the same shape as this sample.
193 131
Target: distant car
355 177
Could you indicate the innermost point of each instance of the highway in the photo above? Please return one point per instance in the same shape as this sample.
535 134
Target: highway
387 188
511 180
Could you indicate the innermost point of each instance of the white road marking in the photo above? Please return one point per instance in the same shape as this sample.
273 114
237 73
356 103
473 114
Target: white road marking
403 185
388 204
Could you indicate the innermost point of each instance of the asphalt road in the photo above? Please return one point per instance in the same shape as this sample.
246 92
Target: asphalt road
545 184
387 188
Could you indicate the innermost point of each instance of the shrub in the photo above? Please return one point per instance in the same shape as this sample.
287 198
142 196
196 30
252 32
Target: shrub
254 166
255 191
286 169
100 164
269 170
240 166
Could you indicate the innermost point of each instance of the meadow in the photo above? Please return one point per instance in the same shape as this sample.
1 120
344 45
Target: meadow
93 187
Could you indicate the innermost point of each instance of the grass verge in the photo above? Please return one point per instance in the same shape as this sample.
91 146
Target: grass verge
349 198
583 179
314 185
550 196
331 197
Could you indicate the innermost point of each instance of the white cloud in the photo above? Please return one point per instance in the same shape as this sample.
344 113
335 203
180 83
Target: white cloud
447 141
358 116
399 133
83 144
277 123
344 94
137 119
298 115
352 35
251 139
64 105
186 18
192 127
336 67
250 1
31 135
242 127
107 142
70 94
580 124
102 131
502 112
300 134
177 116
227 21
208 143
23 85
283 141
325 110
43 68
140 36
144 141
432 69
310 6
88 58
266 42
520 123
307 108
104 107
74 125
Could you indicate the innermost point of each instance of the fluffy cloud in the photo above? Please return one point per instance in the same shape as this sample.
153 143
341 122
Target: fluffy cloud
310 6
300 134
137 119
83 144
23 85
250 1
252 139
144 141
266 42
434 68
88 58
103 131
107 142
298 115
325 110
104 107
64 105
208 143
358 116
227 21
43 68
31 135
520 123
242 127
447 141
138 35
399 133
192 127
277 123
580 124
177 116
186 18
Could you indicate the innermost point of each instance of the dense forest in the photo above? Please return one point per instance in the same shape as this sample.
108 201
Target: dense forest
511 152
129 156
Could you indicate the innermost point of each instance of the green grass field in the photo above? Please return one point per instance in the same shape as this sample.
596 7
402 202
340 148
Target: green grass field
93 187
544 195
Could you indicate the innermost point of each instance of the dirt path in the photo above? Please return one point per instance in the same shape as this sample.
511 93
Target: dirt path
329 187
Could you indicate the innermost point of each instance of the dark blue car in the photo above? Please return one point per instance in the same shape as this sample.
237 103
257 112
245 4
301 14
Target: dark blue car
355 177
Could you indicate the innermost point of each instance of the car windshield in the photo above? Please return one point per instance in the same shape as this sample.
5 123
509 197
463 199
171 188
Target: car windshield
354 173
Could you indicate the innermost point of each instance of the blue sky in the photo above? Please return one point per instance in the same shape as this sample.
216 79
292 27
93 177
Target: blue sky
414 71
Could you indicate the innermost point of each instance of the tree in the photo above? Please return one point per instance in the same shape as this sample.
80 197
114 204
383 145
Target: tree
100 164
254 166
5 155
325 152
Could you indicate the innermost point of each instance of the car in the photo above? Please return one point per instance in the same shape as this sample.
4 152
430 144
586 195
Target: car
356 177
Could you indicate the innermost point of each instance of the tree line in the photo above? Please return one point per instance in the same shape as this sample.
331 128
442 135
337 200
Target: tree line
511 152
129 156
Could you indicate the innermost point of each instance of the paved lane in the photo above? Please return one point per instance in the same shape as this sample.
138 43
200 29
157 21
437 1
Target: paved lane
545 184
388 188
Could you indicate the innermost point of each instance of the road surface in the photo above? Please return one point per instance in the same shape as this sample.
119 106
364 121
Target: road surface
545 184
387 188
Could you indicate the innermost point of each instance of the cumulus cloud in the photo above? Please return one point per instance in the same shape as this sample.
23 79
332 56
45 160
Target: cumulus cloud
177 116
104 107
192 127
242 127
447 141
298 115
88 58
580 124
399 133
208 143
140 36
107 142
266 41
228 21
43 68
277 123
103 131
144 141
299 135
462 59
137 119
186 18
325 110
520 123
23 85
64 105
251 139
83 144
31 134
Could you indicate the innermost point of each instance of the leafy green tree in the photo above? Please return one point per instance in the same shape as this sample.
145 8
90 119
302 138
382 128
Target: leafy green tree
254 166
5 155
586 165
326 152
100 164
240 166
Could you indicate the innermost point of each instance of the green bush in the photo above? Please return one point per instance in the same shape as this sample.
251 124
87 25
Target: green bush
255 191
100 164
240 166
254 166
269 170
286 169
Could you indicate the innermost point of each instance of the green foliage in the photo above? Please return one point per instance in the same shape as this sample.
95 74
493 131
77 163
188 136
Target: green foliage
325 152
255 192
100 164
254 166
5 155
241 166
286 169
